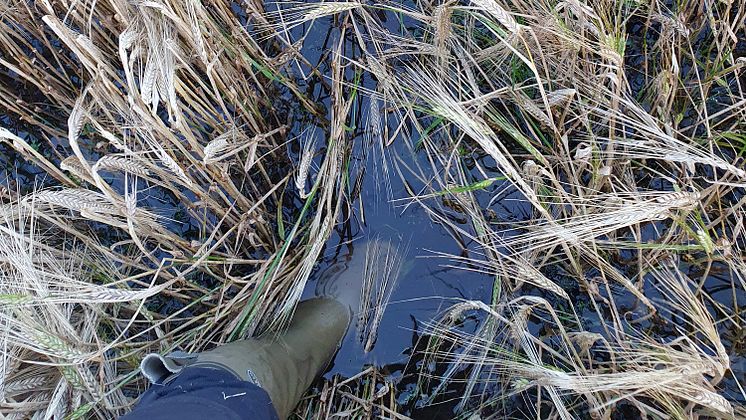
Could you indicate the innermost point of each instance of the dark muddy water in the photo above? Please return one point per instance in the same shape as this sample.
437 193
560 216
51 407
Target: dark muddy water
426 287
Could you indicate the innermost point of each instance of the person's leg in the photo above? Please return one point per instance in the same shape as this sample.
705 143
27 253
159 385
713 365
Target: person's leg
286 366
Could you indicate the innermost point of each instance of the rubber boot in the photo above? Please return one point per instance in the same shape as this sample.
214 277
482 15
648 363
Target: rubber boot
286 366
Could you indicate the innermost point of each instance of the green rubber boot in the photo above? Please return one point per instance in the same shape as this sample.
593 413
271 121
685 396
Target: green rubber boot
286 366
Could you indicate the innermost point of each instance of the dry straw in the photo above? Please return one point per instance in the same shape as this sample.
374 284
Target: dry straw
486 90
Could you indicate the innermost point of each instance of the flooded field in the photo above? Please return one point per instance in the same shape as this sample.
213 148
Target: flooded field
570 248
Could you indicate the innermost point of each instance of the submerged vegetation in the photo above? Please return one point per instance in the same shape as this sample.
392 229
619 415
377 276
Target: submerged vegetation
196 156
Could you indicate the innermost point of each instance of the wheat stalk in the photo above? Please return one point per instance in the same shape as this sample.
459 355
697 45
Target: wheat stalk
442 26
492 8
228 144
120 163
382 267
72 164
23 385
75 199
306 158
